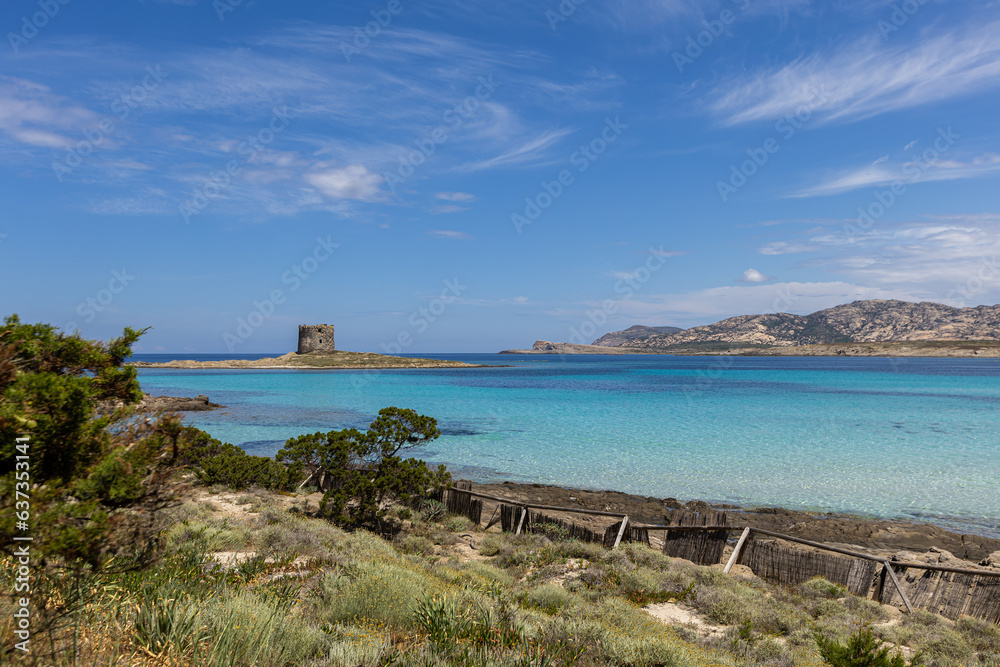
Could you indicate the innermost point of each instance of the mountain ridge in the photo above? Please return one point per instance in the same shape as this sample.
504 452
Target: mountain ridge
872 320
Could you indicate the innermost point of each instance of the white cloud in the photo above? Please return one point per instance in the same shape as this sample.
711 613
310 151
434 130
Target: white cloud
786 248
754 276
449 234
350 182
447 208
31 114
464 197
867 77
659 252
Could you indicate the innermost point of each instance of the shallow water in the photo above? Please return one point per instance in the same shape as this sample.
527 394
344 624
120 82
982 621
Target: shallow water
901 438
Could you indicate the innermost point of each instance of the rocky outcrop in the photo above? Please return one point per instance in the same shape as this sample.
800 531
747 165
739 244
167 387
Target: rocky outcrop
547 347
621 338
337 359
861 321
199 403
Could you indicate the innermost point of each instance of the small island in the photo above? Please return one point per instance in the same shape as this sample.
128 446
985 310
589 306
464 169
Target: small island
316 351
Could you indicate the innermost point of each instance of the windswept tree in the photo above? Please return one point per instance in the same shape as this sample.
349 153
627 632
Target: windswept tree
80 474
361 470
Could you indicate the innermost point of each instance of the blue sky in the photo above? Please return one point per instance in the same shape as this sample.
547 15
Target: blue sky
440 176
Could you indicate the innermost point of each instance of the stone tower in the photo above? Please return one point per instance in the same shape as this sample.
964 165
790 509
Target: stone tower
315 338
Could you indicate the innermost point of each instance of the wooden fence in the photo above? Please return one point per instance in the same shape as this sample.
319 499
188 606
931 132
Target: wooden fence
702 538
464 504
951 594
789 567
703 547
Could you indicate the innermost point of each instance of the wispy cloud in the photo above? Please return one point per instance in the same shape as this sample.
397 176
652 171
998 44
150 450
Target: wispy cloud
464 197
531 151
786 248
867 77
449 234
883 173
30 113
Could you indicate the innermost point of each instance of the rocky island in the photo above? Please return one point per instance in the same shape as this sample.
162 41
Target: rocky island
316 351
874 328
337 359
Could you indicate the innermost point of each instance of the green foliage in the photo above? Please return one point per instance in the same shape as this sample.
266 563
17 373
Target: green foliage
161 624
861 650
550 598
981 635
376 592
96 475
222 463
442 620
820 587
363 469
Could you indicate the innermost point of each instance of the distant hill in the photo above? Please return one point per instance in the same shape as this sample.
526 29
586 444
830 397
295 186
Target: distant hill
860 321
619 338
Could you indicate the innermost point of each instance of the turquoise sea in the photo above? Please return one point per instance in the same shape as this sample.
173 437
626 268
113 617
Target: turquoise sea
897 438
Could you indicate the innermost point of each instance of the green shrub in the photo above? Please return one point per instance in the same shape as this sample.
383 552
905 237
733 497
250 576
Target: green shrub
861 650
415 544
646 556
352 645
458 524
867 611
732 603
249 629
223 463
550 598
363 470
432 510
166 624
642 586
633 637
491 545
981 635
377 591
583 550
820 587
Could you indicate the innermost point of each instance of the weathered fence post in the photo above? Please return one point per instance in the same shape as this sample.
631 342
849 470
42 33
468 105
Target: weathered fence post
899 587
621 531
736 551
524 514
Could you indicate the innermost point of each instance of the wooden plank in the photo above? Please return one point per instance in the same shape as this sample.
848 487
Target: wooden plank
899 587
683 528
621 531
818 545
947 568
494 518
533 506
524 514
736 551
